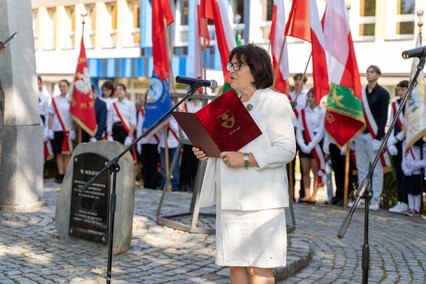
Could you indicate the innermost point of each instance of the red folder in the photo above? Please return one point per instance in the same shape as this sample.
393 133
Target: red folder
222 125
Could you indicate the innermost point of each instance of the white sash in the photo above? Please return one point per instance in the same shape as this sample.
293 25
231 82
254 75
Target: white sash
372 127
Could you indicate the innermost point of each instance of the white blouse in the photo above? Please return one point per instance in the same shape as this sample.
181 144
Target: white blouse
128 110
315 122
63 105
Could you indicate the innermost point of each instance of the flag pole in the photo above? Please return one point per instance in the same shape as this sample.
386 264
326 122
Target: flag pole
422 171
304 74
169 59
166 158
204 70
307 64
345 188
278 63
80 134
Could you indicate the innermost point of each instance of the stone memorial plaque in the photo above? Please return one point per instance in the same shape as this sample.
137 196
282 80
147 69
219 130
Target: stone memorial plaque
89 208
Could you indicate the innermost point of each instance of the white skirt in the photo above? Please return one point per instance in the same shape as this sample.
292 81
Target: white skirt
250 238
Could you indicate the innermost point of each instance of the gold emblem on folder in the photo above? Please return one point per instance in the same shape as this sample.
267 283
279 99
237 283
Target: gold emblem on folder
226 119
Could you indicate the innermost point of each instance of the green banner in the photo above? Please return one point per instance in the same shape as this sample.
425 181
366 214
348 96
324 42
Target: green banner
342 100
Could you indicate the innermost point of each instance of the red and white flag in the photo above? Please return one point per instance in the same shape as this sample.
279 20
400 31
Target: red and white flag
276 37
304 23
225 39
341 59
160 11
345 116
82 108
201 36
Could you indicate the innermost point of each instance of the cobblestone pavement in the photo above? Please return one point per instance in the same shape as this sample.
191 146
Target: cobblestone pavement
31 253
397 246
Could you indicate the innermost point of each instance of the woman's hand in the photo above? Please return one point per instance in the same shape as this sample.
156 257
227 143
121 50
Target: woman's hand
199 154
233 159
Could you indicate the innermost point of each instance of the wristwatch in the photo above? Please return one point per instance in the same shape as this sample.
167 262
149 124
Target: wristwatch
246 160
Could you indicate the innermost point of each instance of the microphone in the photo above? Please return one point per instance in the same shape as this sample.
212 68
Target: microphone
415 52
197 83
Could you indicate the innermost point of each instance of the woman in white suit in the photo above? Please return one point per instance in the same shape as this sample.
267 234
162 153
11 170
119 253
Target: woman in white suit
249 186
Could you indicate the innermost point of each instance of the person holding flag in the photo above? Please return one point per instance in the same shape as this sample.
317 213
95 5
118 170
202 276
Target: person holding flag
309 134
61 129
121 121
101 112
44 117
394 146
375 102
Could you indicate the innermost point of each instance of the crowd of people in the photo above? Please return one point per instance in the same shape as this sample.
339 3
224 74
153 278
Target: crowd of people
119 119
315 145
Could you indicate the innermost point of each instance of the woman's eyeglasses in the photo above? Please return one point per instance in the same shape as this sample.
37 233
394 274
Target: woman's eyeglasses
235 66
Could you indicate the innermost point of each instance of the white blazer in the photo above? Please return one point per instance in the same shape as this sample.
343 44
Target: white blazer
260 187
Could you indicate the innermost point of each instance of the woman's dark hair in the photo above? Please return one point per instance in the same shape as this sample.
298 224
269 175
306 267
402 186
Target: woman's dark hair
123 86
259 61
108 85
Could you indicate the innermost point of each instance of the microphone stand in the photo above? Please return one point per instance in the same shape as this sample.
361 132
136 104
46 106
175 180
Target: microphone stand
112 168
365 191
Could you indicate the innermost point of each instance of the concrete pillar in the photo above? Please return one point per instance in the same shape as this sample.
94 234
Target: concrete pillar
21 136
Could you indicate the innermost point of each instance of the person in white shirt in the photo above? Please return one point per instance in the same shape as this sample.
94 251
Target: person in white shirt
250 186
108 96
298 96
189 164
61 129
43 106
394 145
121 119
150 154
411 165
172 144
42 102
298 99
309 134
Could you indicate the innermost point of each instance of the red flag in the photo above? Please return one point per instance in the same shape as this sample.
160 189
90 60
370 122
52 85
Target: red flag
215 10
201 18
160 11
304 12
206 9
82 108
276 36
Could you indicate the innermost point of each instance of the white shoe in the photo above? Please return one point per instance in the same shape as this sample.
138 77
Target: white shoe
403 207
374 206
361 204
396 208
400 207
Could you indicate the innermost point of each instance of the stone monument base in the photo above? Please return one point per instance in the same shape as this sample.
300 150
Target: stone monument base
22 208
125 191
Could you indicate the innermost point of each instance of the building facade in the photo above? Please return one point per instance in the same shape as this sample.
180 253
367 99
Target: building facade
117 35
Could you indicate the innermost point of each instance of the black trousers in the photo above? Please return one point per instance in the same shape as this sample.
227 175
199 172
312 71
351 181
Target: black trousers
188 169
150 175
397 160
338 166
